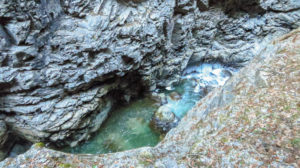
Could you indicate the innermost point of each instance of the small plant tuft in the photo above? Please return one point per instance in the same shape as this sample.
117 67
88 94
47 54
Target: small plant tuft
295 142
40 145
65 165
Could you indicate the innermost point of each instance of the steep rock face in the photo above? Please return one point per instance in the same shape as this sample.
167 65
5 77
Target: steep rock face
252 121
62 62
4 146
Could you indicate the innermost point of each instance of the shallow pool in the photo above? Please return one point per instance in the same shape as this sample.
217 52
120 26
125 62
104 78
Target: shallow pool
126 128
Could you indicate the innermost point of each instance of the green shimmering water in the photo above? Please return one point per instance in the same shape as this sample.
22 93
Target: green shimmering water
126 128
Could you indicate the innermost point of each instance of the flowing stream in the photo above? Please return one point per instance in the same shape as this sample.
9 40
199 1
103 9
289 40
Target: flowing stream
129 127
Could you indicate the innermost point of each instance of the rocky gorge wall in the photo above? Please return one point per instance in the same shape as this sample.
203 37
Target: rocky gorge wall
62 62
252 121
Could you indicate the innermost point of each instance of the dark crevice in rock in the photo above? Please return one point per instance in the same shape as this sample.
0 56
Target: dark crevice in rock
4 20
11 145
6 90
19 147
203 5
5 86
236 65
127 59
232 7
7 35
281 11
6 147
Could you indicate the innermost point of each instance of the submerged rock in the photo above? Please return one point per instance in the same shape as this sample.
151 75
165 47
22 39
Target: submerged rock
115 142
175 96
165 114
137 125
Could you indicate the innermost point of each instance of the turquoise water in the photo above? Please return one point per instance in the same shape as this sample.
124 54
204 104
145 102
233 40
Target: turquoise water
128 127
188 98
197 80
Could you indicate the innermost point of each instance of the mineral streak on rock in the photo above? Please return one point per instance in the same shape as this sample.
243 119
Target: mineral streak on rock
62 63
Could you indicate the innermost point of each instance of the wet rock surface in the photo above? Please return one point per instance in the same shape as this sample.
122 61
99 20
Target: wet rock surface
251 121
164 119
62 62
175 96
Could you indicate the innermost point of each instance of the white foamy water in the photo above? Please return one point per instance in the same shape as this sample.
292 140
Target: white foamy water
208 75
197 81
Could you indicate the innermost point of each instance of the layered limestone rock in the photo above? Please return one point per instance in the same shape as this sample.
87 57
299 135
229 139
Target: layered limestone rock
64 63
252 121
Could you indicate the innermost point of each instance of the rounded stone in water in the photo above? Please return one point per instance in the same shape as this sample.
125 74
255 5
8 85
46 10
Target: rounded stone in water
165 114
175 96
164 119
